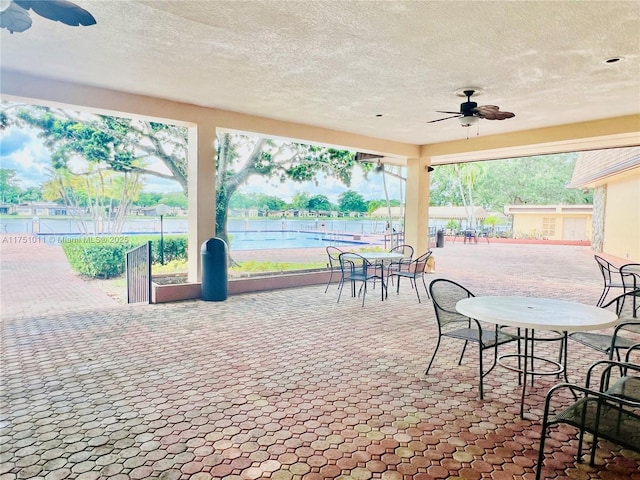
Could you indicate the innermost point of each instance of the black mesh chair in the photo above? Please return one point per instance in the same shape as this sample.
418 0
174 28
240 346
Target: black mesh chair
630 274
612 343
414 270
402 264
334 263
611 411
611 278
355 268
444 295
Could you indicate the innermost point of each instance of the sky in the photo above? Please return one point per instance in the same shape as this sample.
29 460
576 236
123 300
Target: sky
21 150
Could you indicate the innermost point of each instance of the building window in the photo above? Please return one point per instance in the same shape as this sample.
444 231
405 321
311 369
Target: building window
548 227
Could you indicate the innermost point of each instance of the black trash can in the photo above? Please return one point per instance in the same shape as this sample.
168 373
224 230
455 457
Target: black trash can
440 238
214 270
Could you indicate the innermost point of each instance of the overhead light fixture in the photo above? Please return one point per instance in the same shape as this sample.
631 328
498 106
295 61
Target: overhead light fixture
468 120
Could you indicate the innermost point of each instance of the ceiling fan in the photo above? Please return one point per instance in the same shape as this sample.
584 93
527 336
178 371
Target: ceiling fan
470 112
15 17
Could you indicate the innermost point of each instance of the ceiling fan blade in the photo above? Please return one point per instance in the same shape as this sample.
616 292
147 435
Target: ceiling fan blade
445 118
15 18
452 113
503 116
59 10
492 112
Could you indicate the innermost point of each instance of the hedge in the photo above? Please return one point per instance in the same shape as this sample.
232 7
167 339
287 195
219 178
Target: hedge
104 257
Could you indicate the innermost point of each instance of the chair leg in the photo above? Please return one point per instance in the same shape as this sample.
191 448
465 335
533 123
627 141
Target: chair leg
425 287
594 445
364 293
329 282
415 286
543 437
462 353
519 357
426 372
340 289
481 373
605 291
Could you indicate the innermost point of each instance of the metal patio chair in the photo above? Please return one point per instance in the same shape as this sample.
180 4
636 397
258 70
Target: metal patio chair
355 268
414 270
609 412
612 343
444 295
402 264
334 263
610 276
630 274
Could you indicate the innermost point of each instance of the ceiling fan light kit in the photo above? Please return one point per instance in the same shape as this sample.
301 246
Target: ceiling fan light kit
468 120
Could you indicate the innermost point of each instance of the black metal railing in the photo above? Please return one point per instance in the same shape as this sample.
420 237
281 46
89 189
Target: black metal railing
138 263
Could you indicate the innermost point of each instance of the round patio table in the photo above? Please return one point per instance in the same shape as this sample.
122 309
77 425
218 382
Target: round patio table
377 260
533 313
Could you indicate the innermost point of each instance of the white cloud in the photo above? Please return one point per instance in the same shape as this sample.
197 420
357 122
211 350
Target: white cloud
160 185
31 162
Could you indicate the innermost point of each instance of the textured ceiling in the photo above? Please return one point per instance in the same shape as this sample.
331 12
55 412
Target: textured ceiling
338 64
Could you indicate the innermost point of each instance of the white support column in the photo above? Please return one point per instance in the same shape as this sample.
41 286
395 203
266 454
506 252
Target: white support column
417 208
202 193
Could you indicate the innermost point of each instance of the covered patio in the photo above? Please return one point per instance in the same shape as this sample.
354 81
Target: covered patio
284 384
288 384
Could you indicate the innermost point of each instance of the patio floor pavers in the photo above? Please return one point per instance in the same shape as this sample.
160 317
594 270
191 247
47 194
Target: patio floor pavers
285 385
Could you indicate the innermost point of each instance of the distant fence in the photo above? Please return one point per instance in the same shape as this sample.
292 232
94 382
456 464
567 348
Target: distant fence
138 264
394 239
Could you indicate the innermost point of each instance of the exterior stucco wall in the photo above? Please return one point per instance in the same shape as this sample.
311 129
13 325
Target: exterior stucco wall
622 218
533 225
599 208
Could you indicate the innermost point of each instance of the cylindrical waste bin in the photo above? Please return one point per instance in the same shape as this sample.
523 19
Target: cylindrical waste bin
440 238
214 270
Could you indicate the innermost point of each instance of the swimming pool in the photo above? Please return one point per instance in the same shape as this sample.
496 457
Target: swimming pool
276 239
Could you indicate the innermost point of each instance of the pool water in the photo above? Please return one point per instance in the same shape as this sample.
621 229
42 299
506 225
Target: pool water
269 240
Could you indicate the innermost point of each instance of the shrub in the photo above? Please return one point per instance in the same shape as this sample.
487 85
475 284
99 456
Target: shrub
100 257
96 260
175 248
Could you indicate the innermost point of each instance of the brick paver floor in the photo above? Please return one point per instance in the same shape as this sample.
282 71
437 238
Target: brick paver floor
283 384
35 278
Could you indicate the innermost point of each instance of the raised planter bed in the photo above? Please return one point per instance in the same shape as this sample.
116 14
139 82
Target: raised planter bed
166 289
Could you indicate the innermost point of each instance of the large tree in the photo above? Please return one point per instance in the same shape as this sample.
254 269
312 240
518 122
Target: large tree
130 145
100 194
530 180
9 186
320 203
350 201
